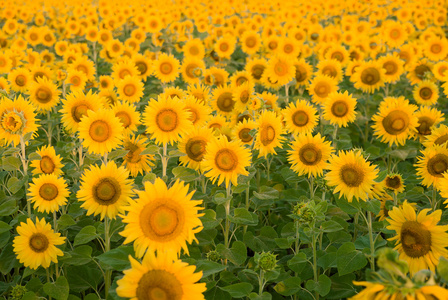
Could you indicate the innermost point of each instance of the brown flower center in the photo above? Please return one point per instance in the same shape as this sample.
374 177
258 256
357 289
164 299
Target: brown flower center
415 239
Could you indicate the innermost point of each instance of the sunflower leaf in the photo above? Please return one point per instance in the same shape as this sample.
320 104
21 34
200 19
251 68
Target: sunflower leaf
58 290
238 290
86 234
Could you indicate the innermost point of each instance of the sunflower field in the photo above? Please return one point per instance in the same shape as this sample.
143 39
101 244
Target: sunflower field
204 149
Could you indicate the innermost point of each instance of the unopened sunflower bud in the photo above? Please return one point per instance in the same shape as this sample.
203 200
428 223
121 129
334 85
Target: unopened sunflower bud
267 261
17 292
213 256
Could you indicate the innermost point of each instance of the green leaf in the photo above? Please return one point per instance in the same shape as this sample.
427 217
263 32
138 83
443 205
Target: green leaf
264 296
151 149
209 220
372 205
81 255
331 226
243 217
220 198
322 286
14 184
30 296
65 221
58 290
209 267
151 177
238 290
239 188
237 254
117 258
298 262
289 286
349 259
442 268
11 163
86 234
119 153
267 193
7 259
83 277
4 227
184 174
283 243
348 207
8 208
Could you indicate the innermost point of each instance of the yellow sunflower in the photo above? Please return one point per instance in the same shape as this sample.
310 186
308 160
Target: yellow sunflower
394 34
216 76
300 117
223 102
242 131
394 67
339 109
100 131
269 132
166 68
44 94
166 119
321 86
216 122
393 291
123 69
17 118
160 277
194 48
20 79
162 219
194 144
76 79
226 160
419 240
172 92
436 48
280 70
441 71
395 183
242 96
432 164
303 73
48 192
239 78
426 93
419 70
143 65
192 70
225 46
105 190
49 162
256 68
128 115
369 76
427 119
395 121
351 175
309 154
36 243
250 42
130 89
134 161
438 136
330 67
199 111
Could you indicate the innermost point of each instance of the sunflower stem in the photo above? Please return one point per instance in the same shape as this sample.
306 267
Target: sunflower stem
227 208
81 158
434 198
296 245
372 243
50 129
105 158
164 160
286 94
25 172
335 134
268 167
261 282
48 279
314 257
107 277
311 182
247 205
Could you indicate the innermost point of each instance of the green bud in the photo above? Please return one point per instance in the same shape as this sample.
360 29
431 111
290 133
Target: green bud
17 292
304 212
267 261
213 256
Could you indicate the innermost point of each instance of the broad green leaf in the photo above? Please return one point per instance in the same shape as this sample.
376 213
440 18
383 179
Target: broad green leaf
184 174
8 207
238 290
266 193
220 198
209 220
119 153
65 221
209 267
30 296
372 205
118 258
331 226
442 268
289 286
264 296
83 277
349 259
11 163
7 259
243 217
81 255
298 262
86 234
4 227
237 254
58 290
322 286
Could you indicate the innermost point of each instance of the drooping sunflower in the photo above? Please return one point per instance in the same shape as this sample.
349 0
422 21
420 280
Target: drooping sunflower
130 89
394 67
427 119
17 118
226 160
105 190
49 162
394 182
48 193
101 131
160 277
162 219
44 94
351 175
426 93
198 109
436 48
166 119
269 133
280 69
242 131
438 136
309 154
321 86
369 76
432 164
339 109
36 243
419 240
128 115
395 121
134 161
223 102
194 144
300 117
166 68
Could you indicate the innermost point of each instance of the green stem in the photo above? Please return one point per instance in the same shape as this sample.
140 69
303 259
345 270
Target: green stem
108 275
81 157
164 160
247 205
335 134
311 182
227 225
268 167
372 243
25 172
287 94
50 129
296 245
261 282
314 257
434 198
48 279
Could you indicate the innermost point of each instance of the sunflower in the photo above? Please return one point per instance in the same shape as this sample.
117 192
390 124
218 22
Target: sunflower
192 69
216 76
300 117
225 46
242 131
100 131
351 175
426 93
130 89
223 102
250 42
105 190
48 192
289 47
339 109
161 277
17 118
106 82
303 73
321 86
256 68
123 69
134 161
143 65
394 34
419 240
20 79
129 117
432 164
216 122
419 70
194 48
393 66
438 136
5 63
172 92
395 121
239 78
394 182
378 291
427 119
441 71
226 160
309 154
369 76
162 219
330 67
166 68
242 96
76 79
194 144
36 243
280 69
166 119
49 162
76 105
339 53
44 94
83 64
200 92
269 133
199 111
436 48
386 202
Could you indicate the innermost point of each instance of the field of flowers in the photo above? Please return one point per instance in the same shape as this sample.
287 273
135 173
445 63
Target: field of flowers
223 149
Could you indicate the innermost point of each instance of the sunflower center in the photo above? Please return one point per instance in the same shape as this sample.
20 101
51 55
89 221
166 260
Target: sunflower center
395 34
106 191
48 191
124 118
338 56
421 70
162 221
415 239
425 125
281 68
244 97
39 242
370 76
351 175
224 47
43 95
436 48
12 122
425 93
257 71
47 165
330 71
437 165
166 120
166 68
99 131
194 50
133 155
339 109
226 160
288 48
300 73
267 135
79 111
159 285
441 140
396 122
195 149
391 67
20 80
189 70
322 89
129 90
393 182
300 118
273 45
225 102
245 136
240 80
310 155
141 67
